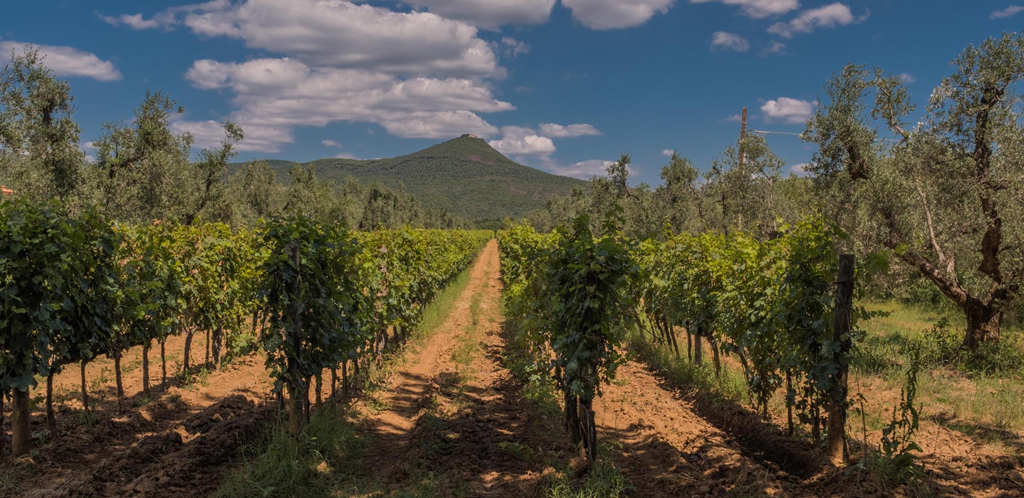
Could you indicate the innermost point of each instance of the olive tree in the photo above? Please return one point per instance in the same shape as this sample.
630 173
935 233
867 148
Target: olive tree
39 152
944 195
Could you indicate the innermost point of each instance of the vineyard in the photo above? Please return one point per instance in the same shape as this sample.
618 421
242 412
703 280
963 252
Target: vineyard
772 305
175 324
326 309
312 298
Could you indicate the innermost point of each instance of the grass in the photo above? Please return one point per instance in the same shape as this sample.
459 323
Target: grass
9 480
279 465
603 481
197 378
438 310
970 394
730 385
99 380
133 365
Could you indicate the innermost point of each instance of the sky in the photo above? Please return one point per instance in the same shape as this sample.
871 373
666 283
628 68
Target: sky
561 85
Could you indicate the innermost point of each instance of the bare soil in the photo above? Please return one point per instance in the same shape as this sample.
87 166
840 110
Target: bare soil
176 442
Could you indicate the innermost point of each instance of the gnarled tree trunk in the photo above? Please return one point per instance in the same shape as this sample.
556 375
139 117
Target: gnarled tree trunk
983 323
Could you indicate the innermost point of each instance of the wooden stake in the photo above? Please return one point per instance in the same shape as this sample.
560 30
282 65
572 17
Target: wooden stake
836 442
743 133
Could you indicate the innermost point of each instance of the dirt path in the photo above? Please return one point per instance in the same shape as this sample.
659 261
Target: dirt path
455 414
417 377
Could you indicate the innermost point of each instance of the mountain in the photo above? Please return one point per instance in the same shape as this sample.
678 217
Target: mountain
464 175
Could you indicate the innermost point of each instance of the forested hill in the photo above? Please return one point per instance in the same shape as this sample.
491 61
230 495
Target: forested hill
464 175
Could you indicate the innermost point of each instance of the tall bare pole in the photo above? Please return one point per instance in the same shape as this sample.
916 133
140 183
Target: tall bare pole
743 133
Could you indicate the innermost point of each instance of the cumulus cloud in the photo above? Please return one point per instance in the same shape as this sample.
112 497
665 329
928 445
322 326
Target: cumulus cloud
568 131
65 61
1009 11
330 143
828 16
489 14
733 118
759 9
209 134
343 34
134 21
275 95
584 170
667 152
789 110
729 41
616 14
907 78
520 141
799 169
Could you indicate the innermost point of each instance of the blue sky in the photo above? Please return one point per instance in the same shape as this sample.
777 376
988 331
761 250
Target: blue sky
561 85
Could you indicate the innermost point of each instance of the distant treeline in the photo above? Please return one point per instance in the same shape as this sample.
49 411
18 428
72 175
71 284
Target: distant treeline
144 171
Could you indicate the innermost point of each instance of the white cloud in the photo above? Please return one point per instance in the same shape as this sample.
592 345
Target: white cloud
134 21
616 14
165 19
568 131
489 14
210 134
799 169
65 61
511 48
276 95
1009 11
759 9
521 141
828 16
733 118
330 143
584 170
789 110
438 124
343 34
345 155
729 41
907 78
776 48
668 152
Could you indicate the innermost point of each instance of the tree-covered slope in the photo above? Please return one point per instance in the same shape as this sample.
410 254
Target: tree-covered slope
464 175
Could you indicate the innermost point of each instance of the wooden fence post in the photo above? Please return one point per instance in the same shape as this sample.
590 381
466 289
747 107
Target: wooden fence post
836 442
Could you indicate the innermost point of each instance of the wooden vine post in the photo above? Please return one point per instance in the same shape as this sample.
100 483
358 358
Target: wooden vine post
836 442
295 385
